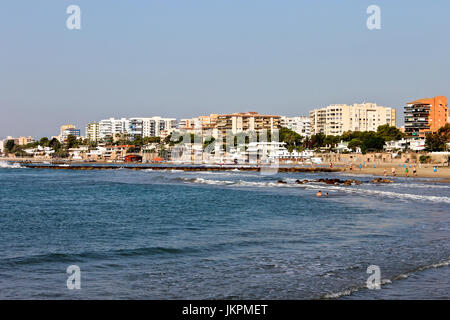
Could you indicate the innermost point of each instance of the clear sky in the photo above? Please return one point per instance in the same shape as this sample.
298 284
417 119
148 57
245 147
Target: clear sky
184 58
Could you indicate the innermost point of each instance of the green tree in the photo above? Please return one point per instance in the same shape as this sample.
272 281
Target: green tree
331 141
292 139
147 140
372 142
9 146
54 144
389 133
61 153
72 141
316 141
137 141
44 142
354 144
437 141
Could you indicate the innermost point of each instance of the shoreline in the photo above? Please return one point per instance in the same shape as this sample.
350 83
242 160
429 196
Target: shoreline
199 168
423 170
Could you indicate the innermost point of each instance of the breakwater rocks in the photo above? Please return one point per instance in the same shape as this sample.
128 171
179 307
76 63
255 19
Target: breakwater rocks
182 168
336 181
348 182
381 180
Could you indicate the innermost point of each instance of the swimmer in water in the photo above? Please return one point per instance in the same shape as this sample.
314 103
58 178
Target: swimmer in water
326 194
319 193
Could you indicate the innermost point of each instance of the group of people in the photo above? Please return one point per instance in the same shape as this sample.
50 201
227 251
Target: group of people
393 171
319 194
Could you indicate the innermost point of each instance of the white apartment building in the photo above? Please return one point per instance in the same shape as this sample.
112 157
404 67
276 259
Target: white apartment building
145 127
339 118
110 127
317 120
93 131
156 126
301 125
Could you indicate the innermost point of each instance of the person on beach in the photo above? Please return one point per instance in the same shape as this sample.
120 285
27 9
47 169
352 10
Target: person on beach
414 171
406 172
360 167
393 171
319 193
385 172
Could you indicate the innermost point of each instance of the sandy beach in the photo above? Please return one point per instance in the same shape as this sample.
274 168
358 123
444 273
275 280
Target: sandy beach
423 171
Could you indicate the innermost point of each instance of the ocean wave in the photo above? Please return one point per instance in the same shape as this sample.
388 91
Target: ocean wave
389 194
55 257
402 276
230 182
421 185
7 165
209 181
349 291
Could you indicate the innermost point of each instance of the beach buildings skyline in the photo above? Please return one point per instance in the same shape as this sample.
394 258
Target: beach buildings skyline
421 116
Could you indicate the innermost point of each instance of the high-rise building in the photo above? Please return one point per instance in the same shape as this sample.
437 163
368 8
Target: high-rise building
249 121
301 125
93 131
199 123
318 120
109 128
144 127
425 116
135 128
156 126
68 130
339 118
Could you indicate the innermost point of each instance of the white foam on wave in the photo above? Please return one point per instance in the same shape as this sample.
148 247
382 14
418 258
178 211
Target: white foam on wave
402 276
229 173
389 194
347 292
208 181
421 185
4 164
330 188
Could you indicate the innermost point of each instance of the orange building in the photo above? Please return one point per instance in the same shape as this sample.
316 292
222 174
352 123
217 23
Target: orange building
425 116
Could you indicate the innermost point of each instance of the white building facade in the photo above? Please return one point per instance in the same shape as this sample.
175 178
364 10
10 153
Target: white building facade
93 131
301 125
339 118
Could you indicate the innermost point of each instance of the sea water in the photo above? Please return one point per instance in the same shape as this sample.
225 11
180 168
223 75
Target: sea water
219 235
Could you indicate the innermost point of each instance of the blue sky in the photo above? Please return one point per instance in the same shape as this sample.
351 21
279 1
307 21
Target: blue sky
181 58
